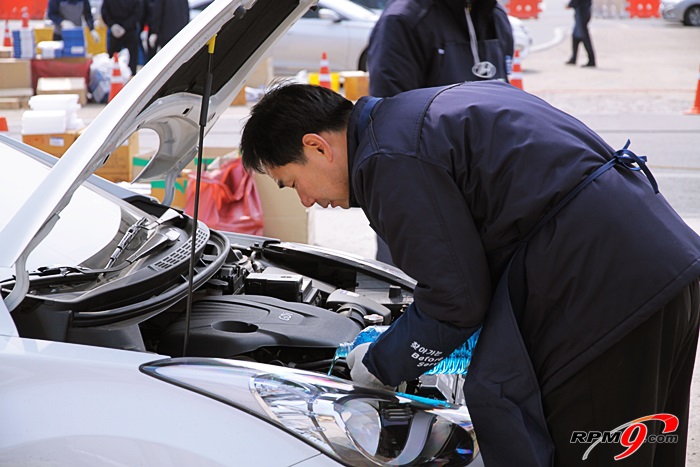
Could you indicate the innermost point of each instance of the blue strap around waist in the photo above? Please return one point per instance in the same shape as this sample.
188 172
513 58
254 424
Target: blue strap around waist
624 157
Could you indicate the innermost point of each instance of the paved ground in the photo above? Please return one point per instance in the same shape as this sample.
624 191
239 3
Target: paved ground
647 76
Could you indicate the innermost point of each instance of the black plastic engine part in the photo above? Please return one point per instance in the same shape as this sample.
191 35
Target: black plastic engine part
227 326
341 297
283 286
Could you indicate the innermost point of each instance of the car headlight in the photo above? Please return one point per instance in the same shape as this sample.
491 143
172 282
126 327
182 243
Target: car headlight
352 424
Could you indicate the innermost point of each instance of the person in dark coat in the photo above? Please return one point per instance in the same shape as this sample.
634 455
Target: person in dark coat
148 51
166 19
580 35
516 218
70 14
123 18
424 43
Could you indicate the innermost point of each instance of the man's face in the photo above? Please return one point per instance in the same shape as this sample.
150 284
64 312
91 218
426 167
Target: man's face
323 179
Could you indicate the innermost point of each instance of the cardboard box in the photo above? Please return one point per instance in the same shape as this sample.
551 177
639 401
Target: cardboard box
262 75
355 84
14 102
209 154
284 216
5 52
118 167
63 86
240 99
17 92
180 199
335 80
41 35
54 144
15 73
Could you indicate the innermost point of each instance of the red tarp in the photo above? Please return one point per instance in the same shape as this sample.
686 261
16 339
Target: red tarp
60 68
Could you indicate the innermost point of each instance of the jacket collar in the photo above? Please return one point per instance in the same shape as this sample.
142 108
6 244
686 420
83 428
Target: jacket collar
353 143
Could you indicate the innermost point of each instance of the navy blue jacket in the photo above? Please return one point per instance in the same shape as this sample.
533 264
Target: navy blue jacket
167 18
452 177
126 13
54 12
425 43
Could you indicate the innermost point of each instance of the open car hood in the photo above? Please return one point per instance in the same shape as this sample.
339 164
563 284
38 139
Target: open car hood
165 96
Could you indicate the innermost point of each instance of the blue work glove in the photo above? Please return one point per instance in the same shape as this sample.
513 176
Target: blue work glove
359 372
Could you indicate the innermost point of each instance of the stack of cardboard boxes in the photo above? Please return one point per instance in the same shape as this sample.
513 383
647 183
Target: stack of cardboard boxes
25 72
118 167
15 83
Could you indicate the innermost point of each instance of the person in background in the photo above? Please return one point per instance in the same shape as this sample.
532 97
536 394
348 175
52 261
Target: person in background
123 18
165 19
148 51
580 34
517 219
70 14
425 43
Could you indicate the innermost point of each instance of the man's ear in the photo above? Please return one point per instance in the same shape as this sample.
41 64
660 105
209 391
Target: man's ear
318 145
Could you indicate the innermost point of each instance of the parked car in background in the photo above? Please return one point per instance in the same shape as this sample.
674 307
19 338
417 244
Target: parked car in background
521 36
103 361
340 28
685 11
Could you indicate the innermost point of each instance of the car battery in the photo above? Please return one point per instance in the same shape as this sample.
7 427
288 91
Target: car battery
283 286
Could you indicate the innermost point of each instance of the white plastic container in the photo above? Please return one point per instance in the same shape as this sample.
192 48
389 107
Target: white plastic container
67 102
50 49
38 122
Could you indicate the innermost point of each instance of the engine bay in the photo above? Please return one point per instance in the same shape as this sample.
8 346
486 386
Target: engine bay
255 299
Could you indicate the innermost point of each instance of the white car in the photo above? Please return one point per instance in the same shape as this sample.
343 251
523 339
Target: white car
684 11
131 334
340 28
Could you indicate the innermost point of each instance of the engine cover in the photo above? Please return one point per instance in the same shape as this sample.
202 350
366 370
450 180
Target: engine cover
230 325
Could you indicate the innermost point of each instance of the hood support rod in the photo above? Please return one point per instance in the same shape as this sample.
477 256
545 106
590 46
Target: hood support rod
204 113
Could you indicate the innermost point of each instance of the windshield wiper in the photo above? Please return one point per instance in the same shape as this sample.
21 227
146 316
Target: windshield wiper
126 240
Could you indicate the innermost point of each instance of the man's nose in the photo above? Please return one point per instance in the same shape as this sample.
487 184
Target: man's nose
306 200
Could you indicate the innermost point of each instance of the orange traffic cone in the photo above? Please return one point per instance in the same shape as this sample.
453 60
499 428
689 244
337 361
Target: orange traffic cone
115 83
324 75
3 124
696 108
516 75
7 41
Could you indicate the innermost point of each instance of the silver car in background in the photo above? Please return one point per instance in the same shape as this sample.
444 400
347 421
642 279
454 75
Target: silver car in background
685 11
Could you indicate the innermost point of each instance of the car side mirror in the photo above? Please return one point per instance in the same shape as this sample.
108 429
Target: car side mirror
326 13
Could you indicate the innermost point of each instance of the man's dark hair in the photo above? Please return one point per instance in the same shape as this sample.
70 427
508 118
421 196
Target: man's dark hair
272 136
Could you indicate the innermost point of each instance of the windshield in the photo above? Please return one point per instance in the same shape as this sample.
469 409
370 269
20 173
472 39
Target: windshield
88 229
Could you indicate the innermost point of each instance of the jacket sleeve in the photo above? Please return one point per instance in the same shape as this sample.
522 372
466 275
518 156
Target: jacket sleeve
87 13
420 212
106 14
133 23
53 12
155 17
395 60
413 344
